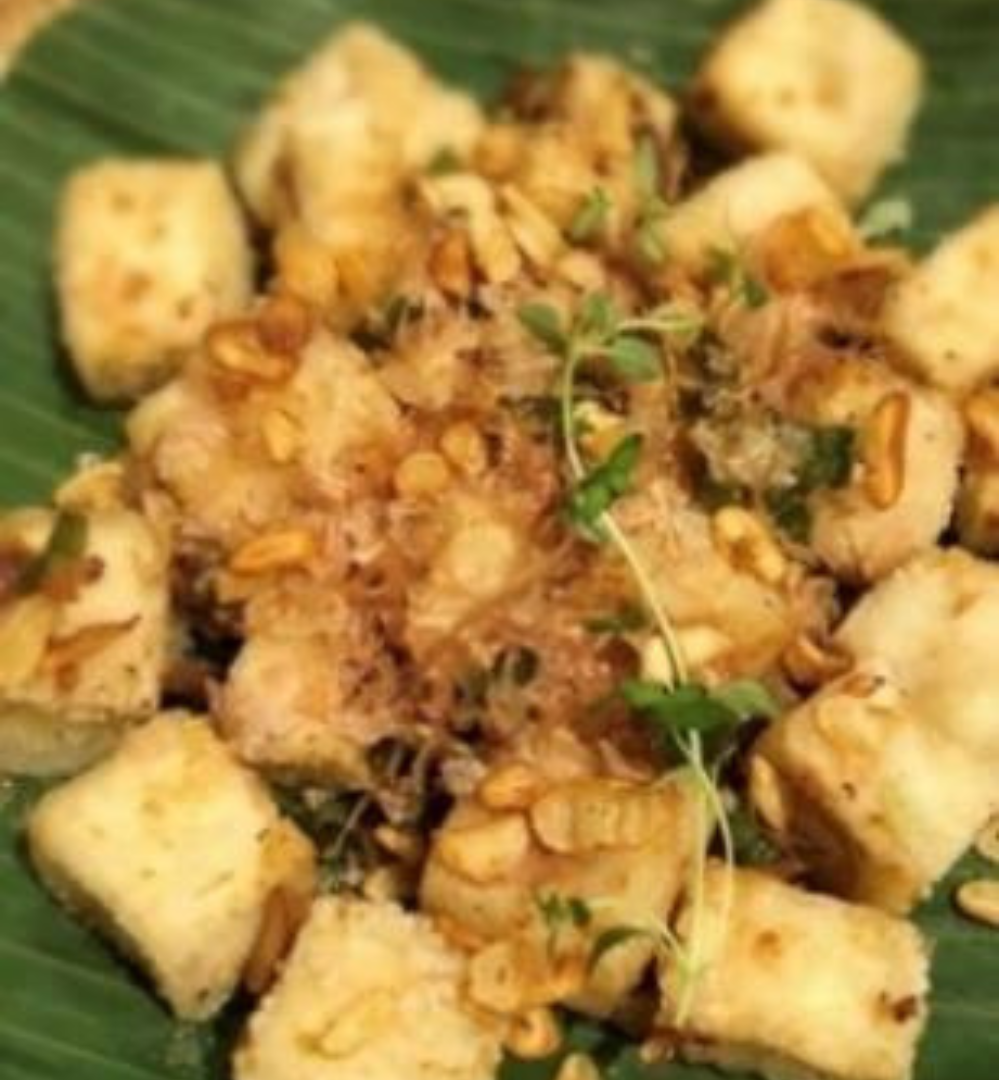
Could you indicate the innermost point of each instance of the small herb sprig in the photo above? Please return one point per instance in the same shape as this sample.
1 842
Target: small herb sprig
652 208
726 267
590 219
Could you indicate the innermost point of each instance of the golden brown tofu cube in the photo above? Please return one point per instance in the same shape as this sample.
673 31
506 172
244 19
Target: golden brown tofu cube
798 985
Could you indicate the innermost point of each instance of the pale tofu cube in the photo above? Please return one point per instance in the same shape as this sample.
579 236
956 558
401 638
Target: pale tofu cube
623 848
369 992
908 447
942 318
827 79
740 204
294 705
882 780
876 801
83 635
344 126
148 255
173 850
798 985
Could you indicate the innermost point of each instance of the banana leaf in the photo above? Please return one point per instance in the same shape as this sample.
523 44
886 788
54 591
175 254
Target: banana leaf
180 76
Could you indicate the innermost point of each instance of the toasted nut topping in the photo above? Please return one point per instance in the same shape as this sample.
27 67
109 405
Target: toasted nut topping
274 551
981 414
450 264
987 844
236 348
282 436
284 324
747 544
534 1034
359 1023
590 815
809 663
464 447
578 1067
883 450
421 475
486 852
533 231
979 900
511 787
801 248
406 846
305 267
767 794
278 926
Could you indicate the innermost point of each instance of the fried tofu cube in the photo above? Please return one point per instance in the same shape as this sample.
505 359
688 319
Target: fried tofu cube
621 847
172 850
741 203
148 255
84 624
881 780
827 79
369 99
901 493
369 992
797 984
942 317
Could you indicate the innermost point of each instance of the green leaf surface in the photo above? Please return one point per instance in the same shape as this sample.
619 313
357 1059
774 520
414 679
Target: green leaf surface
180 76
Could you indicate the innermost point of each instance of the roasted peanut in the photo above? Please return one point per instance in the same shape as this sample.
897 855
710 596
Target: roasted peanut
533 231
282 436
534 1034
486 852
235 347
305 267
465 448
810 663
979 900
284 324
883 450
450 264
283 550
747 544
589 815
278 927
767 794
421 475
510 787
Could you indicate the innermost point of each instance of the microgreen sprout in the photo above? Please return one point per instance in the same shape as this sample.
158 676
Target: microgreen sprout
590 219
728 268
652 209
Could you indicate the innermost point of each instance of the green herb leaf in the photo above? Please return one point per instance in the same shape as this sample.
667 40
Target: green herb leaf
544 323
684 709
790 512
649 243
726 268
601 488
682 324
751 845
444 161
695 708
597 317
591 217
611 939
747 698
66 544
885 218
620 622
828 461
634 359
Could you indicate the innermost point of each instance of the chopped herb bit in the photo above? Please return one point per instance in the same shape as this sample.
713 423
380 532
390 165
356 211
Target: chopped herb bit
445 160
747 698
790 512
518 665
620 622
597 319
558 911
591 217
649 243
751 845
726 268
66 544
610 939
828 460
597 492
694 708
646 166
635 359
544 323
885 218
